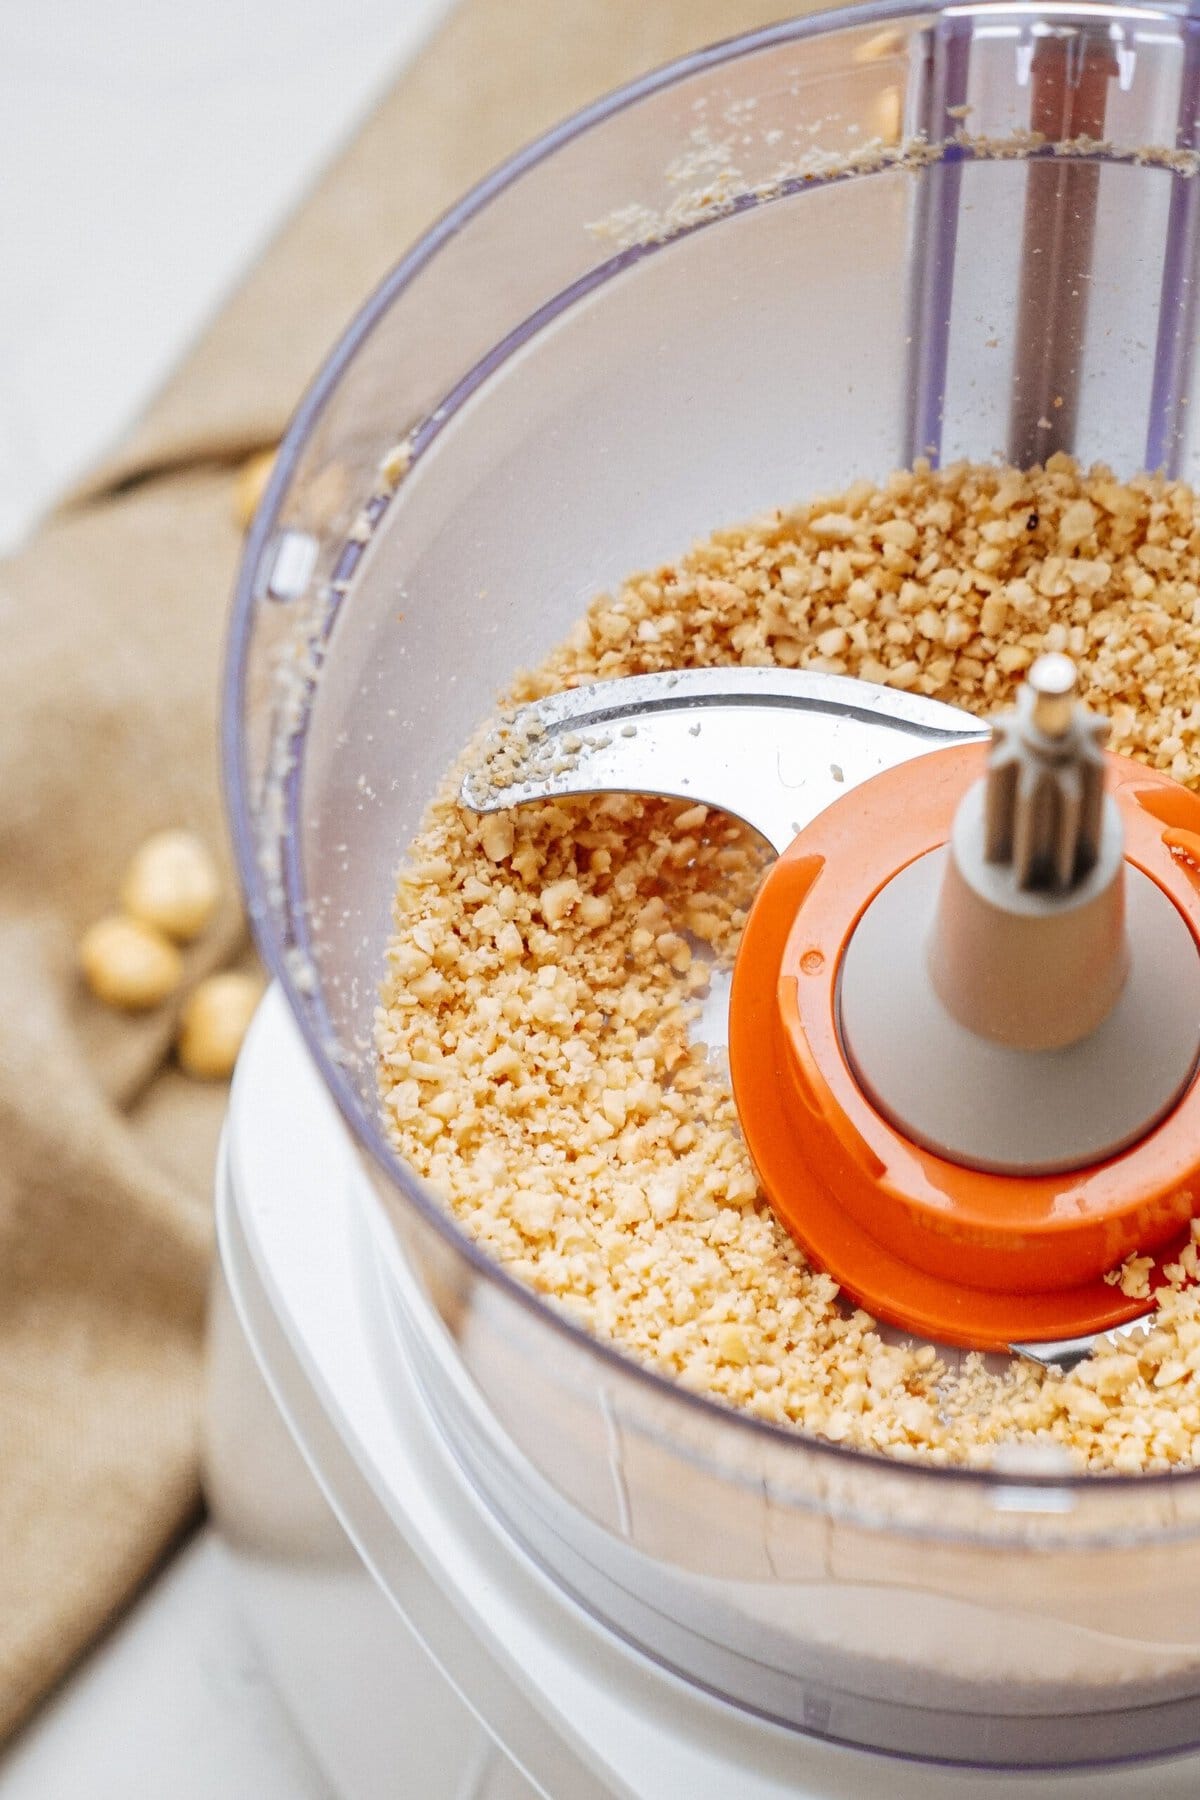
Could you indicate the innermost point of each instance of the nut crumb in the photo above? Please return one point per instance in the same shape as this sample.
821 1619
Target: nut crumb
537 1037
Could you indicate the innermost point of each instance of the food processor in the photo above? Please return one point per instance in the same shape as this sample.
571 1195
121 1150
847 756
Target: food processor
484 1552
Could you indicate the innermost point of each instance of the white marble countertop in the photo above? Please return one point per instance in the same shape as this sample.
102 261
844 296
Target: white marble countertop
149 151
172 1706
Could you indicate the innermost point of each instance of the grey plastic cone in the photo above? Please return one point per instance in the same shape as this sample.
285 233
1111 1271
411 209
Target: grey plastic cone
1024 1001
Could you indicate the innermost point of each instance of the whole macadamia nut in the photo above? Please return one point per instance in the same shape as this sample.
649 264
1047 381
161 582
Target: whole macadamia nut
214 1021
173 885
251 485
128 964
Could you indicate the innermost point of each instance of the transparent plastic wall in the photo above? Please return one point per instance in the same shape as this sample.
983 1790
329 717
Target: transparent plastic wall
805 257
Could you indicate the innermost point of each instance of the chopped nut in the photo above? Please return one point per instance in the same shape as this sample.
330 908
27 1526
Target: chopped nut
731 1345
992 615
497 836
557 901
538 1061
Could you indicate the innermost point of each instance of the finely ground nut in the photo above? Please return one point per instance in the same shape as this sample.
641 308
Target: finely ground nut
550 1086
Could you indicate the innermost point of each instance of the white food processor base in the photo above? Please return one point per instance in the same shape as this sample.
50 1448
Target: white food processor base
422 1652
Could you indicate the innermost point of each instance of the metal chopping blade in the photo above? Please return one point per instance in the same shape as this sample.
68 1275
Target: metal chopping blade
774 747
1067 1353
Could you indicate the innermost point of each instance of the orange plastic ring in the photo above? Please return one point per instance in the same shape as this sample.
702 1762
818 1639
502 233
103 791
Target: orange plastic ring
957 1255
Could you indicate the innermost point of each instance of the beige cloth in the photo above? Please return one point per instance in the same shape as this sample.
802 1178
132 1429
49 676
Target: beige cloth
113 621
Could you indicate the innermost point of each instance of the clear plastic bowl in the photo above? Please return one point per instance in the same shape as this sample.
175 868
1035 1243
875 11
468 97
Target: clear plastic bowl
771 268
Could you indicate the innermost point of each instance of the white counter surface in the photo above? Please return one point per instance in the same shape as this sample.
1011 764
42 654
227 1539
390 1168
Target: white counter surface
149 151
173 1706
